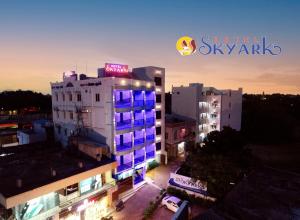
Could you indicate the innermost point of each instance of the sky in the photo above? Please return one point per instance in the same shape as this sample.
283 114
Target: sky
39 40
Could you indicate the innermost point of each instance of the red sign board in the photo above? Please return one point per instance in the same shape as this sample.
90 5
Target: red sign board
116 69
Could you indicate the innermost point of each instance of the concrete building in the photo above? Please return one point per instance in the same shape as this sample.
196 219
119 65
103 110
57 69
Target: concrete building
37 133
40 181
179 131
211 108
120 109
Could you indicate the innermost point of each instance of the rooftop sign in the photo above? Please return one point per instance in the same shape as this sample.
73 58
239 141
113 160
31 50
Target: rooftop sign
116 68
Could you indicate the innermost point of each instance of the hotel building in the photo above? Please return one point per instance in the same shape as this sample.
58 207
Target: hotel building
211 108
122 110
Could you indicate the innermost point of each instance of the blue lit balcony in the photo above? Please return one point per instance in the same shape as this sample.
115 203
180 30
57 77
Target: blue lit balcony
150 104
150 138
150 155
122 98
150 121
138 103
124 166
139 159
123 146
125 103
123 125
139 141
139 123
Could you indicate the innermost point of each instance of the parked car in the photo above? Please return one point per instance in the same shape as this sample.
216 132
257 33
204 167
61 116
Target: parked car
119 205
171 202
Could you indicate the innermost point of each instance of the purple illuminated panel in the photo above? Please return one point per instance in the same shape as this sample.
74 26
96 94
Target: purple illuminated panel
150 134
124 162
138 118
150 117
122 98
123 120
150 99
139 156
139 137
150 151
138 98
123 142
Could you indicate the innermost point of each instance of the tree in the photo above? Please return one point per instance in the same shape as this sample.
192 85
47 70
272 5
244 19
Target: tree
221 161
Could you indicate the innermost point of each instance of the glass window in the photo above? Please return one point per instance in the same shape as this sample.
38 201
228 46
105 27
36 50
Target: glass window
97 97
158 130
157 81
79 97
158 98
158 114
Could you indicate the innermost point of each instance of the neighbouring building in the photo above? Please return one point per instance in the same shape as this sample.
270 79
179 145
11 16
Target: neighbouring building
38 132
41 181
211 108
179 131
122 109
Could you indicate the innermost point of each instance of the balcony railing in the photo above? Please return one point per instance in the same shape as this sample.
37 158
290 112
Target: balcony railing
125 103
138 160
123 125
150 138
124 166
139 141
139 122
124 146
150 121
150 154
150 104
138 103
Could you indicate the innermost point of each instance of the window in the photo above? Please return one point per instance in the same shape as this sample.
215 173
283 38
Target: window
97 97
78 97
64 114
158 146
158 130
158 98
66 131
229 104
229 116
57 114
63 97
157 81
71 115
175 135
158 115
166 135
70 97
58 130
56 97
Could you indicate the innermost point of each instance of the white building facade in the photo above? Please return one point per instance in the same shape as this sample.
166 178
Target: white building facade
120 108
211 108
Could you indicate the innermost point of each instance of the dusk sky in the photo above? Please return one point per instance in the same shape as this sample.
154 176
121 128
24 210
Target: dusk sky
40 40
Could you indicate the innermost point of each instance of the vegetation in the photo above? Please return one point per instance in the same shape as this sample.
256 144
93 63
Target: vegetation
271 119
149 211
18 100
221 162
152 165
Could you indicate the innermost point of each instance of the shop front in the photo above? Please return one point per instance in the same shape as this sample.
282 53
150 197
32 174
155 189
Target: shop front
92 208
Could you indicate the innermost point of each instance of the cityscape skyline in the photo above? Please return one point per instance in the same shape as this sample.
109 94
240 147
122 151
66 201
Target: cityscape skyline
40 41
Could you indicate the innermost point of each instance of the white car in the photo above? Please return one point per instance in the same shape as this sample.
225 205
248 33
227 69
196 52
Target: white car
171 202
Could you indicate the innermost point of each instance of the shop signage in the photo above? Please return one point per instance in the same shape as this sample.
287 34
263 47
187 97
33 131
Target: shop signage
187 183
